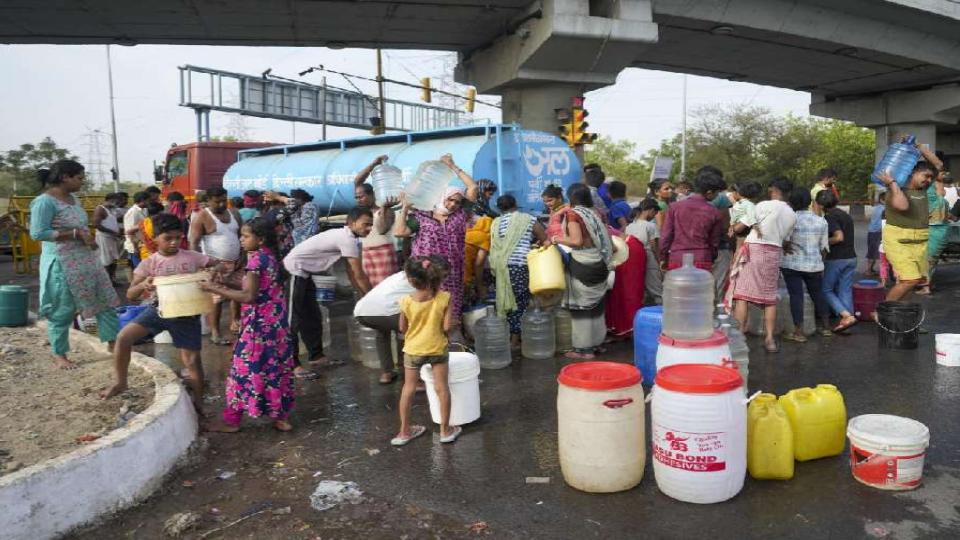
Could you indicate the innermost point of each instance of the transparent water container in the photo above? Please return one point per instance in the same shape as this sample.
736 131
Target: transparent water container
563 329
785 318
492 341
374 345
898 161
427 186
387 182
538 334
739 350
353 338
325 321
688 302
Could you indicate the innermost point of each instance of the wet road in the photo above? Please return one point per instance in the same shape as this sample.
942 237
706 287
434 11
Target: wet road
345 420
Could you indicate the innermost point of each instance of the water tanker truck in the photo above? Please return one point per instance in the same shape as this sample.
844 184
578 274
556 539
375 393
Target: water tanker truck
520 162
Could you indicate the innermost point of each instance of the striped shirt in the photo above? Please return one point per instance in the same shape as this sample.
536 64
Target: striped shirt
809 237
519 255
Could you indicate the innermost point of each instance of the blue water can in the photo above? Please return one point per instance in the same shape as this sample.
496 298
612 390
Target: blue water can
647 325
898 161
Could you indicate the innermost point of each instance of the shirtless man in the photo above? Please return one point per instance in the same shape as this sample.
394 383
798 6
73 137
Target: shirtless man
215 231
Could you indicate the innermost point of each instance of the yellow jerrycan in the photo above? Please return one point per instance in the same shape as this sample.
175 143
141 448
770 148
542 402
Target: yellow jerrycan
819 421
769 440
546 270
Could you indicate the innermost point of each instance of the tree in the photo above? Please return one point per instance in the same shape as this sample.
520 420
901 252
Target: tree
18 167
750 143
616 158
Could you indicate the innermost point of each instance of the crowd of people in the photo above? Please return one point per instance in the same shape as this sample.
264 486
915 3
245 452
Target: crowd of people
415 270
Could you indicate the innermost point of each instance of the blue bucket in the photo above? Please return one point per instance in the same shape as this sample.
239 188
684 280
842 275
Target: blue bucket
128 313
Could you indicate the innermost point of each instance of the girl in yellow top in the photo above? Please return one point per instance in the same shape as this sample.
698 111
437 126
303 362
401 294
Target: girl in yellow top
425 318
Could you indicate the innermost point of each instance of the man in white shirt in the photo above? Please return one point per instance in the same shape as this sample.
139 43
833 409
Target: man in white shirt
755 275
316 255
380 310
131 226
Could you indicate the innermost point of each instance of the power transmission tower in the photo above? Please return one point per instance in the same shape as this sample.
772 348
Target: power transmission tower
95 167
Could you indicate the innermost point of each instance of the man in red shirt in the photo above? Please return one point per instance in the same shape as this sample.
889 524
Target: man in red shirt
693 225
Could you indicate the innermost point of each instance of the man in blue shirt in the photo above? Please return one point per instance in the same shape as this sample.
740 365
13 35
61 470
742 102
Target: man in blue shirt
619 210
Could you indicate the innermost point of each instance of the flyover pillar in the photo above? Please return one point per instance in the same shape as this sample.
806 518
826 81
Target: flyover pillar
556 50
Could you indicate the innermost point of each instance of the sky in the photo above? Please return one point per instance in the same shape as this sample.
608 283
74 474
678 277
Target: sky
61 91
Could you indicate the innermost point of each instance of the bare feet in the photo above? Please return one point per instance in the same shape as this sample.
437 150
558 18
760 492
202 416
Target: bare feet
114 390
387 377
62 362
220 427
282 425
320 361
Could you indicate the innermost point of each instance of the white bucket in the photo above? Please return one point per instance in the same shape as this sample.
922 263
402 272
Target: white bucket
948 349
464 381
887 451
712 350
326 287
180 296
601 436
699 432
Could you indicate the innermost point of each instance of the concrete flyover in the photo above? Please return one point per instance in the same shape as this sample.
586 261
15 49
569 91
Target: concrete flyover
893 65
53 497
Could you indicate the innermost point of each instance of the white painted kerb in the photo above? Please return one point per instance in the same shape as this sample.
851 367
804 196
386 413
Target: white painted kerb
124 467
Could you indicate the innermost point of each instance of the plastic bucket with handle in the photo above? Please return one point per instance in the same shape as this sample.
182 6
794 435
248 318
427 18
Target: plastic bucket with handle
948 350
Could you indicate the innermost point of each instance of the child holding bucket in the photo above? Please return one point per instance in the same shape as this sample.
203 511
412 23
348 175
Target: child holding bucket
425 318
261 375
168 260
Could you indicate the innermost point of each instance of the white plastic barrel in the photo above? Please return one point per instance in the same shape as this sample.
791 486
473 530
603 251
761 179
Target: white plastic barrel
464 382
699 439
886 451
600 414
712 350
948 349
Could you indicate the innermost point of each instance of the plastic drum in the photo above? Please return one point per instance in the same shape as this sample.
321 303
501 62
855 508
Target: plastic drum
600 415
712 350
699 432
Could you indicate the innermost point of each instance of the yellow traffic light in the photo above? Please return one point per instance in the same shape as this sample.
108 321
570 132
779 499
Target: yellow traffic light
579 128
471 99
425 93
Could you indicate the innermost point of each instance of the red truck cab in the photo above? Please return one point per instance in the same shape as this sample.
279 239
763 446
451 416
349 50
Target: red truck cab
198 166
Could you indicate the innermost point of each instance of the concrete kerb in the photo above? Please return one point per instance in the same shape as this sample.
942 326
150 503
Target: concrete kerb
53 497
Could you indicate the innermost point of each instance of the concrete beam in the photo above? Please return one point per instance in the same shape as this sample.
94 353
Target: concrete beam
939 105
562 41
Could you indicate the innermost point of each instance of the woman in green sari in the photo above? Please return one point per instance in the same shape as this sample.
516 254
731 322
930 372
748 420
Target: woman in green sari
71 278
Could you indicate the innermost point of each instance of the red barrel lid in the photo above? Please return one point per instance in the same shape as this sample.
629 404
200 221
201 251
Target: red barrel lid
698 378
718 338
599 375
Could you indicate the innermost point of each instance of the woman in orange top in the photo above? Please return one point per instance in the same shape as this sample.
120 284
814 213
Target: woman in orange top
147 246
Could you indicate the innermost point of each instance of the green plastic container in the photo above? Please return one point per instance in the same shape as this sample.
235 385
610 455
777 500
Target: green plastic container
14 302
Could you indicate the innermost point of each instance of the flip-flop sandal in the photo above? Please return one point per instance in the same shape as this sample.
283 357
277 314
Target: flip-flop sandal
841 328
772 348
221 341
415 432
387 378
795 338
457 430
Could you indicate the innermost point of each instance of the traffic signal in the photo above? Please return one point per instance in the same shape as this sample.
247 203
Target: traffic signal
580 125
425 93
573 127
471 99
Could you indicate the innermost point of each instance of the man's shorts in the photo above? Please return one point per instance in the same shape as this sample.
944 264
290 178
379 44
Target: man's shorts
906 250
185 331
412 361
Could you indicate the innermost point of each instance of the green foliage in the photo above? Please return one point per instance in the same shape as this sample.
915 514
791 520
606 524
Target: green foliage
750 143
18 167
